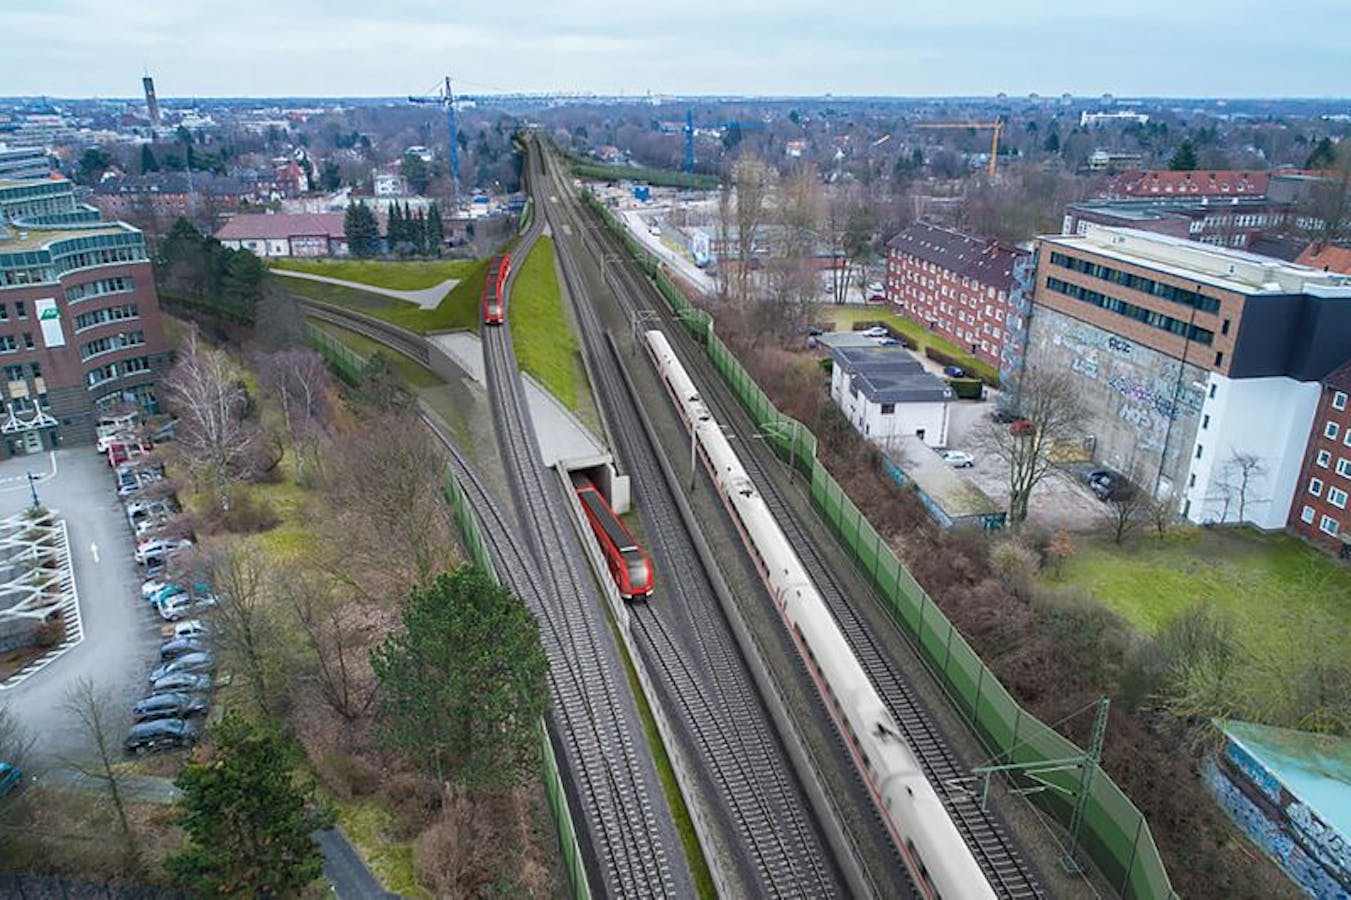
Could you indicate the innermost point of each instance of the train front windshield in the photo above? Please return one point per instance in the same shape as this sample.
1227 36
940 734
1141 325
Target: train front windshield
640 579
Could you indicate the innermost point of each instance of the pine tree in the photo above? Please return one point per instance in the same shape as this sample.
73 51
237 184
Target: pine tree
1184 160
245 817
1324 155
394 233
362 231
148 161
420 233
436 232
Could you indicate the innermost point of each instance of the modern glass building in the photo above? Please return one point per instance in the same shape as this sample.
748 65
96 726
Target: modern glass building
80 327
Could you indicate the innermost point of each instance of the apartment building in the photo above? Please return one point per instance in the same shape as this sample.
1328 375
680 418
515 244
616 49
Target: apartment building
958 286
1191 359
1319 511
80 326
886 394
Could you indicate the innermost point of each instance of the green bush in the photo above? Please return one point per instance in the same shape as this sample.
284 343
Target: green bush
967 388
976 368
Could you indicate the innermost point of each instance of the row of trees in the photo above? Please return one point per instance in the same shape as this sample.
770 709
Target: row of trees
196 266
406 234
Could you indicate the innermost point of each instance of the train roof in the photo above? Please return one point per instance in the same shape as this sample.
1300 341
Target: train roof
609 522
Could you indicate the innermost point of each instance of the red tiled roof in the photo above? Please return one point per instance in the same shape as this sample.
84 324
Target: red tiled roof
278 226
1167 183
1327 257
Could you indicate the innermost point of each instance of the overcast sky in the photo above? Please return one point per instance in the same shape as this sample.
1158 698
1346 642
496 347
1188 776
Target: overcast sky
69 48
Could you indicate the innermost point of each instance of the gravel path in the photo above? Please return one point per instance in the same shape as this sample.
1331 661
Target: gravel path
427 298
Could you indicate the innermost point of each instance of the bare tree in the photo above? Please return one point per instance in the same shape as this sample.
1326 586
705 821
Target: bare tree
1126 507
301 383
246 629
1161 513
1245 471
215 435
754 183
390 527
16 741
93 708
342 665
1052 412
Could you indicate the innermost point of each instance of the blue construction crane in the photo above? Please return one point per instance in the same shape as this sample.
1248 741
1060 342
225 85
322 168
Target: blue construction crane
689 134
446 98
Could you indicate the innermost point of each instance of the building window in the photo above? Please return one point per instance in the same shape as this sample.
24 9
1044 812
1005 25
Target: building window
1180 327
1329 525
1219 358
20 309
1316 487
1347 439
1306 515
1198 451
1212 392
1323 458
1344 467
1337 497
1339 400
1205 421
888 409
28 340
1330 431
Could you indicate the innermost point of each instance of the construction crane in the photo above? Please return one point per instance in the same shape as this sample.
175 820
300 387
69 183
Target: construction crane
996 126
689 135
445 97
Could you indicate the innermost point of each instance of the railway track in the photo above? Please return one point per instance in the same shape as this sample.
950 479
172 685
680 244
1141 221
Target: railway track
1009 874
685 640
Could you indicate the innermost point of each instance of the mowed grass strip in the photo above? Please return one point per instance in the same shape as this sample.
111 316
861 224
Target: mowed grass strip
843 318
410 275
458 310
545 345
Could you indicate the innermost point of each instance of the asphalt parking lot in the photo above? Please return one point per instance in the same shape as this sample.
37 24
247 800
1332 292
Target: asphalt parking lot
121 633
1059 501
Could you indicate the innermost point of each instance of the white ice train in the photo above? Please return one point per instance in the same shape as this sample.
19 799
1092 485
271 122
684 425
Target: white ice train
939 860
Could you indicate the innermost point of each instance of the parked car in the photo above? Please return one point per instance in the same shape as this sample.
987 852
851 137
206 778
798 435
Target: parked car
190 628
180 606
1004 415
181 647
166 593
152 586
166 432
9 778
875 332
877 298
159 547
954 371
1022 428
169 706
182 683
196 663
887 342
958 459
139 510
162 734
123 451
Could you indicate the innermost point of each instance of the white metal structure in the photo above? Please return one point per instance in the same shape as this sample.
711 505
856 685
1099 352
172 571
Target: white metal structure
939 860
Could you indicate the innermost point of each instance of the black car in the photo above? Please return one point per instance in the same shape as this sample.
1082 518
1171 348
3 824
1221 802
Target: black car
1098 475
169 706
161 734
181 647
1004 415
954 371
196 663
182 683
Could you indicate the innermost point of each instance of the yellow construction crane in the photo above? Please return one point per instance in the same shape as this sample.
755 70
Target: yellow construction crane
996 126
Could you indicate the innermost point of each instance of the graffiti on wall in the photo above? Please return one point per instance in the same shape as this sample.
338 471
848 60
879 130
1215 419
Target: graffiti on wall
1277 843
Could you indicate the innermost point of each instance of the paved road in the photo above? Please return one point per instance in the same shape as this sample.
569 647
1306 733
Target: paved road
427 298
121 634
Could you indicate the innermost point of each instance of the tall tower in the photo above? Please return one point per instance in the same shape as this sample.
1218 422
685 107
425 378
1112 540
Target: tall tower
151 103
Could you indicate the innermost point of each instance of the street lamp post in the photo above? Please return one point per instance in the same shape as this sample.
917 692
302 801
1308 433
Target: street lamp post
33 489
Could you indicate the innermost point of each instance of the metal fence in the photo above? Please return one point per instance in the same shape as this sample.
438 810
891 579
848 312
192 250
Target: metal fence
1115 833
349 364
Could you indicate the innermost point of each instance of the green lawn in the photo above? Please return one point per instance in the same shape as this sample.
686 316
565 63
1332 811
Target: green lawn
1268 582
413 275
843 317
545 344
459 309
416 375
370 828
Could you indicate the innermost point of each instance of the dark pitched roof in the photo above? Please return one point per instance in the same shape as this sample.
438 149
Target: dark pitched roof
988 262
278 226
1340 377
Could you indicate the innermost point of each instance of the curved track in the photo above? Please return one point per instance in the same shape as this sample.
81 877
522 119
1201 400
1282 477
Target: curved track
984 833
686 644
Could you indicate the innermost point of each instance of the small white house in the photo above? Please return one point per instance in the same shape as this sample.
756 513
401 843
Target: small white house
885 393
389 184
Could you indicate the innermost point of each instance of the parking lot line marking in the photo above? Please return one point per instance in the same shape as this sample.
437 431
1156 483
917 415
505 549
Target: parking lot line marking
94 550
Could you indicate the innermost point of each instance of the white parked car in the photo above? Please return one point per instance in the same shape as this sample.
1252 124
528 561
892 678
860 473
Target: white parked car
153 586
958 459
190 628
875 332
160 547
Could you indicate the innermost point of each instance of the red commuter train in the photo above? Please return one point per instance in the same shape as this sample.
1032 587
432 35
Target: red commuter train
494 303
629 565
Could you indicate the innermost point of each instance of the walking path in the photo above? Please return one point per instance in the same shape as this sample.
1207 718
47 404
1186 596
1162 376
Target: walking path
427 298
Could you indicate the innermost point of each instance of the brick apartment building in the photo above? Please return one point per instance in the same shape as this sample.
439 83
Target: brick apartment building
80 326
957 286
1319 511
1186 355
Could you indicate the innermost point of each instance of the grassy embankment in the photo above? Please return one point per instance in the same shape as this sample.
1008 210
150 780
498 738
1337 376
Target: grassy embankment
545 345
843 317
413 275
1280 593
459 309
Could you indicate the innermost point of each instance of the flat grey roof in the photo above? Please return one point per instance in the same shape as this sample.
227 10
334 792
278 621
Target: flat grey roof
889 374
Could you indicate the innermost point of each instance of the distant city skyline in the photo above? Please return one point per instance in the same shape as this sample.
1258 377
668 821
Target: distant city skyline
1241 48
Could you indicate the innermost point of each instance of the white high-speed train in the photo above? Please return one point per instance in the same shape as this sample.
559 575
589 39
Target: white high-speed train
939 860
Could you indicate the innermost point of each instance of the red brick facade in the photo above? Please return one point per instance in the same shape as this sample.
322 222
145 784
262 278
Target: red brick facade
1320 511
954 285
